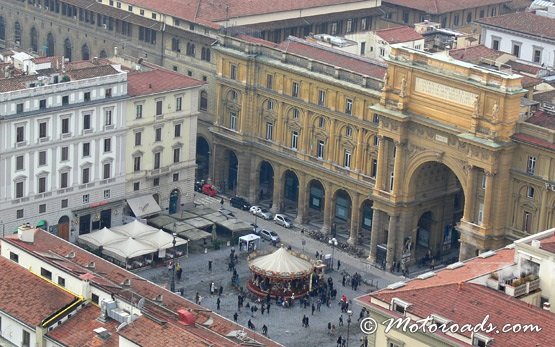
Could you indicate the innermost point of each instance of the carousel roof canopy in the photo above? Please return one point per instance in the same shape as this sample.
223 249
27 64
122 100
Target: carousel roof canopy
281 263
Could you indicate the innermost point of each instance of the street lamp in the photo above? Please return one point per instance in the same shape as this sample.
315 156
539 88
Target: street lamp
349 313
173 264
333 244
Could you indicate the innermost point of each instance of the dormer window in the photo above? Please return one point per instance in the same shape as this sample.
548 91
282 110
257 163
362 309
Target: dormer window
481 340
399 305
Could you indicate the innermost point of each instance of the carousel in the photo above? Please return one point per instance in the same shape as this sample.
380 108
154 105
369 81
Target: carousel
281 274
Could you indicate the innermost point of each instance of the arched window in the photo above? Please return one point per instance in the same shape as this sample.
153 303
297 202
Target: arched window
203 100
49 45
17 36
67 49
205 54
2 29
34 40
103 54
85 52
191 49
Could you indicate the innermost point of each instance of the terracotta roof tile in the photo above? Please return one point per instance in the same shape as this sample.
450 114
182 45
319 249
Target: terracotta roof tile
79 329
443 6
525 23
91 72
473 54
534 141
28 297
526 68
542 119
351 62
110 277
157 81
399 35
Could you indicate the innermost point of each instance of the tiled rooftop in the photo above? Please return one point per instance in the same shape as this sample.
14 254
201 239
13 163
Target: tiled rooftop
399 35
473 54
110 277
28 297
534 141
157 81
443 6
526 23
542 119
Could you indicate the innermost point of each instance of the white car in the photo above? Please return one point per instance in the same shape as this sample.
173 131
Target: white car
269 235
261 212
283 220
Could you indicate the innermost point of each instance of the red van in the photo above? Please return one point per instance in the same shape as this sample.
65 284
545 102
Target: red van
209 190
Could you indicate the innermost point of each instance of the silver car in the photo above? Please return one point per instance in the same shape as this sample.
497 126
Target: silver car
269 235
283 220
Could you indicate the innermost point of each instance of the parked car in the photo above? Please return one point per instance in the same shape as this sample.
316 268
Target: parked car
283 220
269 235
227 213
256 229
239 202
209 190
253 209
261 212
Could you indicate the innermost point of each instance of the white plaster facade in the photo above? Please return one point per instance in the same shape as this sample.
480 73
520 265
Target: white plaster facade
50 120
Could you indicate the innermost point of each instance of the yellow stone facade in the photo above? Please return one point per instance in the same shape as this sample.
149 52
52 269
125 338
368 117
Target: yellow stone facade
431 149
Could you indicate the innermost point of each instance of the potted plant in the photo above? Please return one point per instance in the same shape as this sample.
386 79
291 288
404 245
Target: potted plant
493 281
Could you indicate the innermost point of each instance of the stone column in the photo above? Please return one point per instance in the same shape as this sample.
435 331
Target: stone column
359 165
375 234
244 173
382 165
391 249
303 199
278 190
355 219
328 213
399 156
254 181
331 155
488 199
468 214
543 210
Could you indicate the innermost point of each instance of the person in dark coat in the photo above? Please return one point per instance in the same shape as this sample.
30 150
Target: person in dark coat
218 302
235 315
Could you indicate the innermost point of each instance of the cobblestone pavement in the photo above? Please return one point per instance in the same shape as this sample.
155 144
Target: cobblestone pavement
284 324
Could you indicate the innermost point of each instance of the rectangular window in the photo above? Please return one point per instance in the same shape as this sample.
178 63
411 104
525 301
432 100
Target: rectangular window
42 158
86 198
107 170
333 28
531 166
19 108
19 163
158 107
483 181
382 51
87 96
362 48
64 203
294 140
65 100
94 297
65 126
176 155
269 81
233 121
320 151
347 159
175 177
178 103
481 213
530 192
19 214
526 221
349 26
64 180
391 181
495 44
42 208
139 111
138 138
363 24
65 153
158 134
157 157
349 106
295 90
85 175
456 20
374 168
42 184
136 186
108 92
177 130
14 257
405 17
107 145
233 72
61 280
86 122
108 117
20 134
482 13
19 190
42 130
42 104
537 55
322 98
494 12
269 131
137 164
516 50
26 339
156 182
86 149
45 273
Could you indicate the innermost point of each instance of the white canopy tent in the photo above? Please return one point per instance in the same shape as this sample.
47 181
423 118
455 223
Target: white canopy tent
250 242
100 238
163 241
127 249
134 229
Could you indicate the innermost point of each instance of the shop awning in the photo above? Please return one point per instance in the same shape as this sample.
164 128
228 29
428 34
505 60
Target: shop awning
41 224
195 234
143 206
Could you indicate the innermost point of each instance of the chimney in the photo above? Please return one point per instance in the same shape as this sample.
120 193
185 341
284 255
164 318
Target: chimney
26 233
460 286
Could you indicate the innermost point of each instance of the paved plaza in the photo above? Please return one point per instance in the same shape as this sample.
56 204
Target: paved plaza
284 324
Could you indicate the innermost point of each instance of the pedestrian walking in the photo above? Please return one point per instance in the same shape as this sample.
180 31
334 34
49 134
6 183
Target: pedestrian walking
317 255
218 303
313 309
268 308
339 340
250 325
329 328
210 265
333 330
262 309
222 202
264 330
343 342
343 281
197 298
304 321
235 315
212 288
364 341
179 273
221 291
338 264
341 320
307 325
318 304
